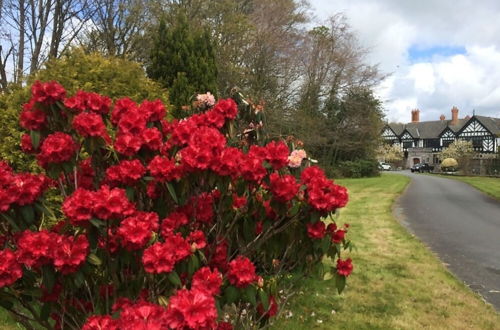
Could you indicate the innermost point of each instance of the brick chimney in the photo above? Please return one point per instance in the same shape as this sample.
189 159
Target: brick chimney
415 116
454 116
442 117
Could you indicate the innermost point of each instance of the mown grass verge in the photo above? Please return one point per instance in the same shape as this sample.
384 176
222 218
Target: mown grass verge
488 185
397 282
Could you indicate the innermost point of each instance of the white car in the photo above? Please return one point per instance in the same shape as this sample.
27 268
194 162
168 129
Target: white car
384 166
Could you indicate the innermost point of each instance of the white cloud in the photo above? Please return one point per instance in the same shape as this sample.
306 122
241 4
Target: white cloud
390 27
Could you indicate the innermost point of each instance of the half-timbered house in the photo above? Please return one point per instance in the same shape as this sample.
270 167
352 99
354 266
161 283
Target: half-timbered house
422 141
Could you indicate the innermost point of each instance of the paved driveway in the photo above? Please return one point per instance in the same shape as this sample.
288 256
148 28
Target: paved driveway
460 224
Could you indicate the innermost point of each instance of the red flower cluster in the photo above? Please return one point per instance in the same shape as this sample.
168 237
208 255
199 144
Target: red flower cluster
78 206
70 253
84 101
284 188
112 204
127 172
277 153
241 272
171 223
206 280
10 269
35 249
57 148
47 93
323 194
90 124
316 230
142 316
162 257
31 118
135 232
191 309
164 169
19 188
344 267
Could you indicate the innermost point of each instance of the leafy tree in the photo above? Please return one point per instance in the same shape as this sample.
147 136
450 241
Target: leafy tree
459 149
390 153
183 60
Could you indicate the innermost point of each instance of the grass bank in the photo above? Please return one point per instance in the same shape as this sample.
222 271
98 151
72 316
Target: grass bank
488 185
397 282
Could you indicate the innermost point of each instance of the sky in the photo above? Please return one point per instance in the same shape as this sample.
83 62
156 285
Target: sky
438 53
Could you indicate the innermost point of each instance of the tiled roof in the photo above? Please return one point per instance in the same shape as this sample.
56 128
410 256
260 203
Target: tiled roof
432 129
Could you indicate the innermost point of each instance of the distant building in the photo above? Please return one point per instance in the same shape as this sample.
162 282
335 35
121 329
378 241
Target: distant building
422 141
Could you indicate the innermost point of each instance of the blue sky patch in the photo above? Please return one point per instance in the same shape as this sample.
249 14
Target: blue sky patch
420 54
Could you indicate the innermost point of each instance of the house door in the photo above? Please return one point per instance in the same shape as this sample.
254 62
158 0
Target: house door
416 161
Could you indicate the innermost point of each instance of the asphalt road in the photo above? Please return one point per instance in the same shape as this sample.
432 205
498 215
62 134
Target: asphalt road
461 225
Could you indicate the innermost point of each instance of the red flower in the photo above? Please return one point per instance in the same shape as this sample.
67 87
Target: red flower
277 154
228 163
47 93
197 237
191 309
132 122
78 206
57 148
34 248
344 267
128 144
77 102
26 144
338 236
241 272
239 202
259 227
316 230
154 110
142 316
172 222
227 108
203 207
271 311
32 119
206 280
324 195
162 257
100 322
310 173
98 103
219 257
152 138
122 106
251 168
164 169
70 253
127 172
284 188
26 188
112 204
135 232
90 124
10 268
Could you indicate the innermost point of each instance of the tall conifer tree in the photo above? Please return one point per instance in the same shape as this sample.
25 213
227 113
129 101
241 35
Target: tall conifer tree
183 60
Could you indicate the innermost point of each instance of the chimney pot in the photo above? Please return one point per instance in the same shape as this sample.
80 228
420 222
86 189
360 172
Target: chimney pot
454 116
415 116
442 117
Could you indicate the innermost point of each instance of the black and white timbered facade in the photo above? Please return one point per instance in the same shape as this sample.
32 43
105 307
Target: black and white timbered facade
421 141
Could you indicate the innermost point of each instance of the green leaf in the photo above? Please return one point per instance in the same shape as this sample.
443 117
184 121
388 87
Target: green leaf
264 299
10 220
130 191
193 264
231 294
294 210
28 213
94 260
97 222
174 278
45 311
325 244
340 283
49 277
171 190
250 293
35 139
79 279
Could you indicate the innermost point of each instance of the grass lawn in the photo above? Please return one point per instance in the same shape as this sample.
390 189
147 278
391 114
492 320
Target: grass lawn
397 282
490 186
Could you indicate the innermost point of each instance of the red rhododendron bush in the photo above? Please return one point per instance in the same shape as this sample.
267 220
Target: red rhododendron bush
164 224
